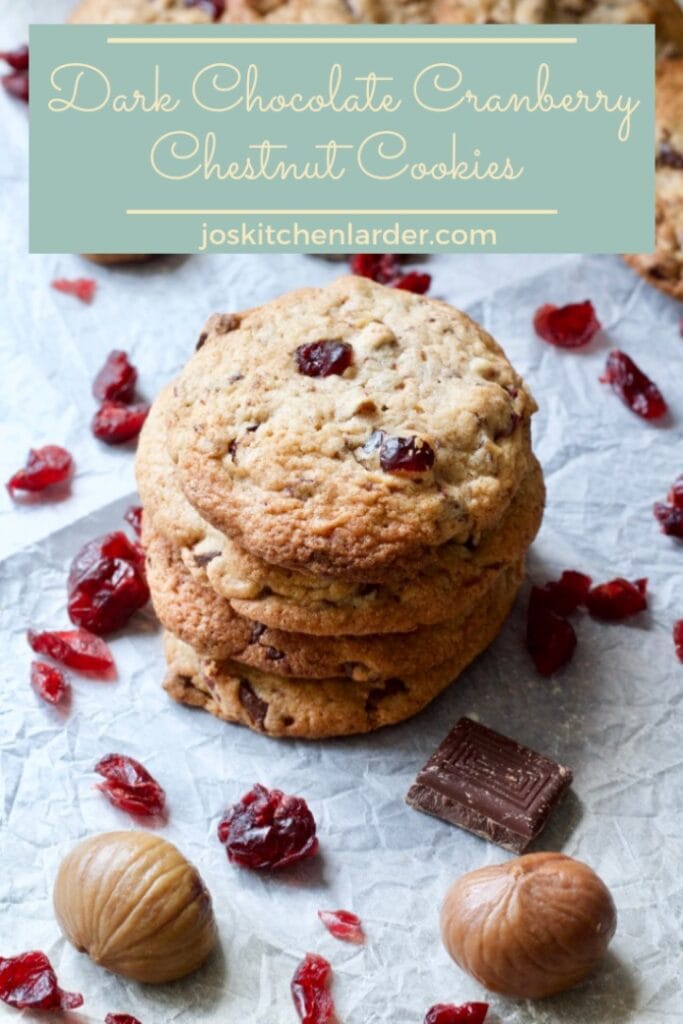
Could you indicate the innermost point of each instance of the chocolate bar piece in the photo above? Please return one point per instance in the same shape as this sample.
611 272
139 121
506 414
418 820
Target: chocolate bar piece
490 785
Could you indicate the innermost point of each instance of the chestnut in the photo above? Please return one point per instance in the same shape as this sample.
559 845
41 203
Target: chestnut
136 906
531 927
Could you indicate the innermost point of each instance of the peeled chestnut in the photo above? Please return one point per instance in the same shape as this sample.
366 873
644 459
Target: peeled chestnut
531 927
136 906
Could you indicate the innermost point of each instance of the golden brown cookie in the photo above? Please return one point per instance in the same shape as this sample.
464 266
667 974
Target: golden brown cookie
206 12
344 429
664 267
318 709
442 587
197 615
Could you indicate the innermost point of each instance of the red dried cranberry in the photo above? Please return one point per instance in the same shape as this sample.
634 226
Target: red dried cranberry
343 925
678 638
44 468
82 288
448 1013
268 829
116 423
117 378
405 455
75 648
133 516
16 83
120 1018
324 358
28 982
675 495
17 59
669 518
414 282
214 8
310 990
617 599
550 639
384 268
129 786
635 390
571 326
565 595
106 584
49 682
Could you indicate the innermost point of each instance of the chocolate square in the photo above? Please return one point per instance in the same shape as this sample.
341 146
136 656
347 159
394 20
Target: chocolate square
490 785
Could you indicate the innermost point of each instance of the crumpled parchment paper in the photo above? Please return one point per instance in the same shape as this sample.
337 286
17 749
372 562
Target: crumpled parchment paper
613 715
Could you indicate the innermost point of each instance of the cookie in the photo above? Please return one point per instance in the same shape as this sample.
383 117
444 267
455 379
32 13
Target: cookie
441 588
109 259
665 15
317 709
206 12
207 622
664 267
422 439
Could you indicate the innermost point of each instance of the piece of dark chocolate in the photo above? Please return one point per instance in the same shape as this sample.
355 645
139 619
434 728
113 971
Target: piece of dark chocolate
490 785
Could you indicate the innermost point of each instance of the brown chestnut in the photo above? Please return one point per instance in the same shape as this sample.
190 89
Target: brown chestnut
531 927
136 906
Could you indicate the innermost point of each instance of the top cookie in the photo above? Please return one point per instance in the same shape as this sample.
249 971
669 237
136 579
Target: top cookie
665 15
344 428
664 267
203 12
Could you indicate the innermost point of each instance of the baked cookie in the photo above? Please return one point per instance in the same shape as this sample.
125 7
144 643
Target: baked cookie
664 267
203 12
317 709
665 15
341 429
110 259
204 620
440 588
397 12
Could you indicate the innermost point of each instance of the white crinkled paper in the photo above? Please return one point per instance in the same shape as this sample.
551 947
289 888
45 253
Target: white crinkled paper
614 716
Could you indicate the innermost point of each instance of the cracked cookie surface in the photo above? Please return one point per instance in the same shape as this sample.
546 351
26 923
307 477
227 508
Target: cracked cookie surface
422 438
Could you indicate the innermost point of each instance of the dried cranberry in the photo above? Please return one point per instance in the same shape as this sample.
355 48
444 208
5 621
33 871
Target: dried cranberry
617 599
16 83
133 516
215 8
76 648
268 829
675 495
670 518
82 288
550 639
324 358
565 595
384 268
117 378
310 990
405 455
28 982
635 390
448 1013
343 925
49 682
129 786
106 584
571 326
120 1018
678 638
17 59
44 468
116 423
414 282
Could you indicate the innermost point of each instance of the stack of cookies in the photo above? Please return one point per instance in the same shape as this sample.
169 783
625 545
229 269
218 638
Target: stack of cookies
339 492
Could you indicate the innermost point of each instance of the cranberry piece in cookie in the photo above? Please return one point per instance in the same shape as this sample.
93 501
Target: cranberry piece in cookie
324 358
405 455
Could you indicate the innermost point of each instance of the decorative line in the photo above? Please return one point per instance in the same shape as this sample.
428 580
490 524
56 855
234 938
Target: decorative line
340 40
377 213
